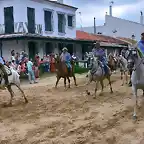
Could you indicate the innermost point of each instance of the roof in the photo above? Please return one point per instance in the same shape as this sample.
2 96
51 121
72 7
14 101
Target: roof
95 37
55 2
128 40
90 39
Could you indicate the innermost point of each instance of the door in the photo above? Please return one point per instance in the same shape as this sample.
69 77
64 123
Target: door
32 50
8 20
31 20
48 48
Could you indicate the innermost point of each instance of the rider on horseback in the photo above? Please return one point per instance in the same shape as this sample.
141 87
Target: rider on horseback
66 57
4 73
100 53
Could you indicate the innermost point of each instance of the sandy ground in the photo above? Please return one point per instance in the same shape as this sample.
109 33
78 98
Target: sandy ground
58 116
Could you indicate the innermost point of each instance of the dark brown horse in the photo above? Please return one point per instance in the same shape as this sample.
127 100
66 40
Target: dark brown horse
63 72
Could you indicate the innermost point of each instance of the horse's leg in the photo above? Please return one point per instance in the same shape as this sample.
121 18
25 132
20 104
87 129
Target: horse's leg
58 78
11 93
122 73
74 80
65 82
23 94
96 87
102 85
68 82
126 77
110 84
135 99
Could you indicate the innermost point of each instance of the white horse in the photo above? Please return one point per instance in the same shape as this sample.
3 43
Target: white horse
137 77
13 76
123 69
97 74
14 79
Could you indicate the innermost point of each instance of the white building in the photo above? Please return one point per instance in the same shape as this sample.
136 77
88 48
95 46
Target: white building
118 27
36 26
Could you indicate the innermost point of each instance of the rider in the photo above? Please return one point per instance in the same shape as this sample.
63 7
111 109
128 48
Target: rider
100 53
5 75
140 46
66 57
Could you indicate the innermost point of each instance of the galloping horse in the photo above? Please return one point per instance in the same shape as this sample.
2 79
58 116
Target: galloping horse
97 74
9 77
63 72
112 62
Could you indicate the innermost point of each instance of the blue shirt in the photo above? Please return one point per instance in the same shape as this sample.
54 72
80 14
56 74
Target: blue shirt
66 57
141 47
29 66
1 60
99 53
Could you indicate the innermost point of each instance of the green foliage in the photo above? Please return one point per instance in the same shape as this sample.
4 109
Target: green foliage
80 70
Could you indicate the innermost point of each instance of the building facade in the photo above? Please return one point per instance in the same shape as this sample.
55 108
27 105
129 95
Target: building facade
41 23
117 27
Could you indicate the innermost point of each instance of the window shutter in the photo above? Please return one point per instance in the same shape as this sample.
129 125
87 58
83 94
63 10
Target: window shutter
52 21
74 21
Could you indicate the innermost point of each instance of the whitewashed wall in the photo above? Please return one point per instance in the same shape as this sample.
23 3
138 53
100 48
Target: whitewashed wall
124 28
20 14
8 46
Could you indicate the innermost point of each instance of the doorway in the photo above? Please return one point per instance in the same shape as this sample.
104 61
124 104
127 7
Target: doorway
32 49
48 48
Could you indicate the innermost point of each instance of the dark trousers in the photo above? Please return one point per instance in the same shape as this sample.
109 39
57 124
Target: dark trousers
5 75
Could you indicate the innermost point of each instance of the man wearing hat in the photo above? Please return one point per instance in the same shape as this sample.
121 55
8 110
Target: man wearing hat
100 53
66 57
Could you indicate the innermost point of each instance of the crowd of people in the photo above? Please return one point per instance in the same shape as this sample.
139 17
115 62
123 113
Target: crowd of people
29 67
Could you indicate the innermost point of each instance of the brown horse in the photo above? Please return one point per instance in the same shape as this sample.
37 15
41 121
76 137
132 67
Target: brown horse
63 72
112 62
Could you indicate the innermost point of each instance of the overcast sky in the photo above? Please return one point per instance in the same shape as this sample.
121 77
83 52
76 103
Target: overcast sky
127 9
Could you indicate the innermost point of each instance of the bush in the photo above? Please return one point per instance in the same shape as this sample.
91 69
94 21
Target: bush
80 70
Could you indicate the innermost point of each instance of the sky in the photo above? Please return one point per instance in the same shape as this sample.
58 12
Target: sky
88 9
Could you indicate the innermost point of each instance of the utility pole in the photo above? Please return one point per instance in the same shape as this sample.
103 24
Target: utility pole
94 25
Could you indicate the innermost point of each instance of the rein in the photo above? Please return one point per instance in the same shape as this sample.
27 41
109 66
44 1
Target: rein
138 64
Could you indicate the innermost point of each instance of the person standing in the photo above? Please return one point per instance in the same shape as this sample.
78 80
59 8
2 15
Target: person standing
30 72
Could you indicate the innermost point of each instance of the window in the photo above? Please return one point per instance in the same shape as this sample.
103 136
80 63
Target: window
31 19
48 20
70 21
61 23
8 20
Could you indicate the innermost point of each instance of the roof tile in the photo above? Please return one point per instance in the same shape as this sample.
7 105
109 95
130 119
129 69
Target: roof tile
80 35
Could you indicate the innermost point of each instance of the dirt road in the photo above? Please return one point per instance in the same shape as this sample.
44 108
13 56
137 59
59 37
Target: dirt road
58 116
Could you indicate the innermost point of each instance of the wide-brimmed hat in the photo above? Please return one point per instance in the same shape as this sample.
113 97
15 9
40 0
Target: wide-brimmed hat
64 49
97 43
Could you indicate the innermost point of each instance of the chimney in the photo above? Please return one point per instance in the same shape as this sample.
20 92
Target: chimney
110 8
94 26
60 1
141 17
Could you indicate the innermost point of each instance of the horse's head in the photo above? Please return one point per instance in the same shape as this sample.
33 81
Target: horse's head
93 63
132 56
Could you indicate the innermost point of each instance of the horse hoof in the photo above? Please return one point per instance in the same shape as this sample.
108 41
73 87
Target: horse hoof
134 117
111 92
26 101
94 97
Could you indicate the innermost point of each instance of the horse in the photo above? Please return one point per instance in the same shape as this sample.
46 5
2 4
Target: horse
97 74
112 62
123 63
63 72
13 79
137 77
